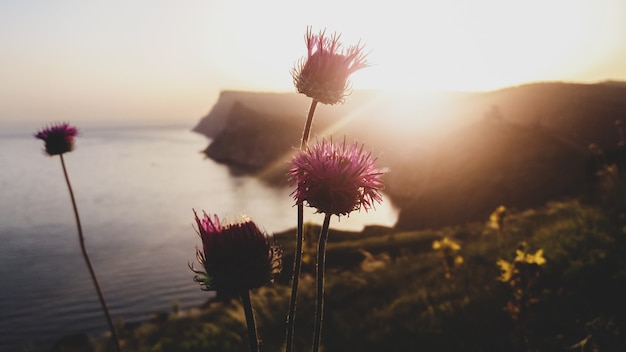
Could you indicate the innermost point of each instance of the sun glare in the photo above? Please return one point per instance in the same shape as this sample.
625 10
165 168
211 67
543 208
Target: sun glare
483 45
69 58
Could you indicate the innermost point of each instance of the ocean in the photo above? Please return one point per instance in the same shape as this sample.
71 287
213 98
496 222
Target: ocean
136 188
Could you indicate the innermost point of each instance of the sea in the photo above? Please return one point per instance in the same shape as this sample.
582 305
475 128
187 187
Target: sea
136 188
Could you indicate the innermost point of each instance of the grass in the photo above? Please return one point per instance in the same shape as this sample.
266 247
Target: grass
388 291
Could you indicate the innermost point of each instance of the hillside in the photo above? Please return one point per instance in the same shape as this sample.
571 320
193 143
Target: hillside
452 156
389 290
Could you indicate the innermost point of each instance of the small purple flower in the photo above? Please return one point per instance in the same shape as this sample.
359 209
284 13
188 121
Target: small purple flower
59 138
323 76
336 178
236 256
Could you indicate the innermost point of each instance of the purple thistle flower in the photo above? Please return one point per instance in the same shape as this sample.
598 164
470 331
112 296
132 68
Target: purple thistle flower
323 76
58 138
336 178
236 256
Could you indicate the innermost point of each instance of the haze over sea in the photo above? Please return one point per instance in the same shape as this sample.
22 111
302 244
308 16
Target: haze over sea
135 188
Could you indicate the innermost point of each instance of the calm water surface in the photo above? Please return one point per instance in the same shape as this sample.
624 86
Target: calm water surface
135 189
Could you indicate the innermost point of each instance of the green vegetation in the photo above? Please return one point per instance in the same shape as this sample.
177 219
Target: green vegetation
388 291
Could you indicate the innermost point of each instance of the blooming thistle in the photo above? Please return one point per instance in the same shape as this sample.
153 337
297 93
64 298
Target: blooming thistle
336 178
323 76
236 256
58 138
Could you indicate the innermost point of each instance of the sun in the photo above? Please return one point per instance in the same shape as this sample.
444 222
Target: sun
415 47
480 46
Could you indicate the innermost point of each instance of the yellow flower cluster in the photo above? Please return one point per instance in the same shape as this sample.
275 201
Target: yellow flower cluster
447 248
446 243
497 217
521 257
536 258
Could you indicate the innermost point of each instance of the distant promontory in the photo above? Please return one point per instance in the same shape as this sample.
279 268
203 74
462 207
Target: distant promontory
453 157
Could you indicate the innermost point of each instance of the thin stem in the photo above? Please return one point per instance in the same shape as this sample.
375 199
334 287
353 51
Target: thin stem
84 250
321 265
247 308
297 258
307 126
297 267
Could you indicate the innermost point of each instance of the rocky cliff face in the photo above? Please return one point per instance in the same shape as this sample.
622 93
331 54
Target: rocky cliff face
252 142
453 158
280 104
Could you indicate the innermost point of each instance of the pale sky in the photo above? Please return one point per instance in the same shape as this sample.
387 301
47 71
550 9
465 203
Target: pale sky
166 60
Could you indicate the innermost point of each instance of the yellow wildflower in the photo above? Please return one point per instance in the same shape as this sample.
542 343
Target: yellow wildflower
507 270
446 243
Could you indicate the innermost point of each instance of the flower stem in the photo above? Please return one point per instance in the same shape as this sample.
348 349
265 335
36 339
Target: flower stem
297 267
297 258
84 250
321 264
307 126
247 308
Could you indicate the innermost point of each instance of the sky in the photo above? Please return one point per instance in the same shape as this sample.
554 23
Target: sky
166 60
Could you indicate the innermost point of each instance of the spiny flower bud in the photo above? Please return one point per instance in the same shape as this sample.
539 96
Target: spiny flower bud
236 256
58 138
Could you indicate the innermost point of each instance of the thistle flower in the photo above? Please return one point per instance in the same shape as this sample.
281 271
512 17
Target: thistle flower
336 178
323 76
58 138
236 256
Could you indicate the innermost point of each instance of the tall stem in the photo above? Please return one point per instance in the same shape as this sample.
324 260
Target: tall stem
297 258
247 308
297 267
84 250
321 265
307 126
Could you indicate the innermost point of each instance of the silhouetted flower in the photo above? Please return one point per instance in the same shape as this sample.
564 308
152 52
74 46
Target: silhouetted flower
336 178
323 76
58 138
236 256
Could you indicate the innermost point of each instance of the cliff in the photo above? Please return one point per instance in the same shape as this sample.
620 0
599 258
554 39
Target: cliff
453 157
252 140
